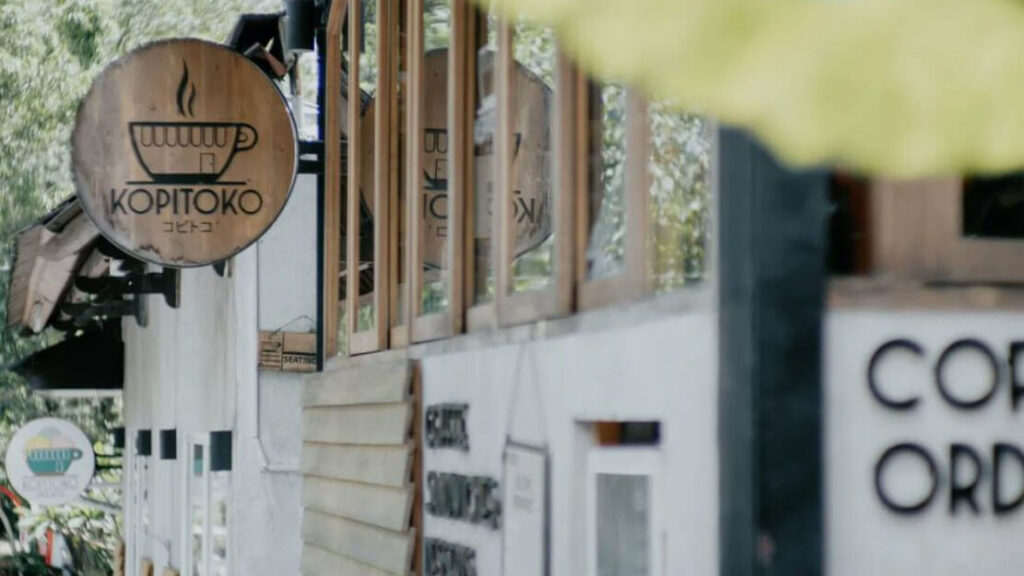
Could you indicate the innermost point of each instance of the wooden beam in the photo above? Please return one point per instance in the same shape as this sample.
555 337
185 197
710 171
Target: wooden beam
332 176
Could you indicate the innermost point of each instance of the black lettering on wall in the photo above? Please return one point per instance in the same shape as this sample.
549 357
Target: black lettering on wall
472 499
963 491
442 558
908 448
962 345
1016 386
1000 453
446 426
873 384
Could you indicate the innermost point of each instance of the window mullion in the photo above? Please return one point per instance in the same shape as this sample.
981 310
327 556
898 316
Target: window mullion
457 144
332 178
502 242
353 173
413 137
637 193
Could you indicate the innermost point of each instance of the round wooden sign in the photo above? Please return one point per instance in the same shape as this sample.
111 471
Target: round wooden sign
531 167
183 152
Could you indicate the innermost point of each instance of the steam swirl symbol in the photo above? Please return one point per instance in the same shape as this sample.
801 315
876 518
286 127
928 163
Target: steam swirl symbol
189 151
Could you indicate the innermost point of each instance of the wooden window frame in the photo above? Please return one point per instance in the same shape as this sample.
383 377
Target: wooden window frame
433 326
398 298
632 281
555 299
332 177
375 338
478 317
917 234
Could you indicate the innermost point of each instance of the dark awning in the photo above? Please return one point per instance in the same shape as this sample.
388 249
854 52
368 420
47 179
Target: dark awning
85 365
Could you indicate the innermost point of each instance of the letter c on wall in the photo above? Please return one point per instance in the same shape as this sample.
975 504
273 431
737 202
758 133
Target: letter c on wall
876 358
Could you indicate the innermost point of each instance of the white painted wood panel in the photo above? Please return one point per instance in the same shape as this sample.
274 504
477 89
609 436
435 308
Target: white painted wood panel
374 424
374 384
319 562
383 549
385 465
382 506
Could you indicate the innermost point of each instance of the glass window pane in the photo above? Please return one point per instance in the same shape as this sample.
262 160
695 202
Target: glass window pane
368 107
680 196
623 525
532 85
484 168
606 180
146 480
993 207
342 208
219 488
434 150
197 511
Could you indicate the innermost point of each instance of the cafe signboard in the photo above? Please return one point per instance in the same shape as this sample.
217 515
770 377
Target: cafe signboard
925 457
49 462
184 152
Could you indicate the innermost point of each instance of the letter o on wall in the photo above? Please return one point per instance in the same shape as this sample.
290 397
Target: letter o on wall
908 448
967 343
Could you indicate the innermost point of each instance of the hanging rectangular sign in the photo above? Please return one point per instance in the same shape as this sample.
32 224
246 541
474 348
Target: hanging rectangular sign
525 512
287 351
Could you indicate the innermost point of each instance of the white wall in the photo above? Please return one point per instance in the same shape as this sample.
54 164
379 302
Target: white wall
543 392
195 369
865 537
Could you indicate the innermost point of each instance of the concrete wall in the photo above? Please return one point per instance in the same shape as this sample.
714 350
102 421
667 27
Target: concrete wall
548 392
195 369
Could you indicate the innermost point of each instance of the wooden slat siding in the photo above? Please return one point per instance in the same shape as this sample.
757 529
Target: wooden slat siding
357 460
374 424
384 506
319 562
387 550
383 465
375 384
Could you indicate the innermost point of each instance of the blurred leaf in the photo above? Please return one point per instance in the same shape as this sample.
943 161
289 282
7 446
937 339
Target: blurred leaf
895 87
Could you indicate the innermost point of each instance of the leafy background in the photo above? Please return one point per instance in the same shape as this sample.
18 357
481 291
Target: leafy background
49 53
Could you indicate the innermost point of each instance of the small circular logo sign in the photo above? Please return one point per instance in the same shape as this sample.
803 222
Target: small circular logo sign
184 152
50 461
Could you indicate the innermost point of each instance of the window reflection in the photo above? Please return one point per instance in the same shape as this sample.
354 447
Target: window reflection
623 525
434 149
532 82
369 108
680 202
484 167
606 180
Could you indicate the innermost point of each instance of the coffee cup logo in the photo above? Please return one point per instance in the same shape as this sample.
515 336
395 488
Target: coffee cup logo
189 152
50 453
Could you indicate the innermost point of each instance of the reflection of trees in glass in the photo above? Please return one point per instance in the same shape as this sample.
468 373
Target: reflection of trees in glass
436 24
368 51
436 36
534 47
679 168
607 157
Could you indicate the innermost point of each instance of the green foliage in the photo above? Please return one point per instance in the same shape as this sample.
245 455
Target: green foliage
28 563
49 53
